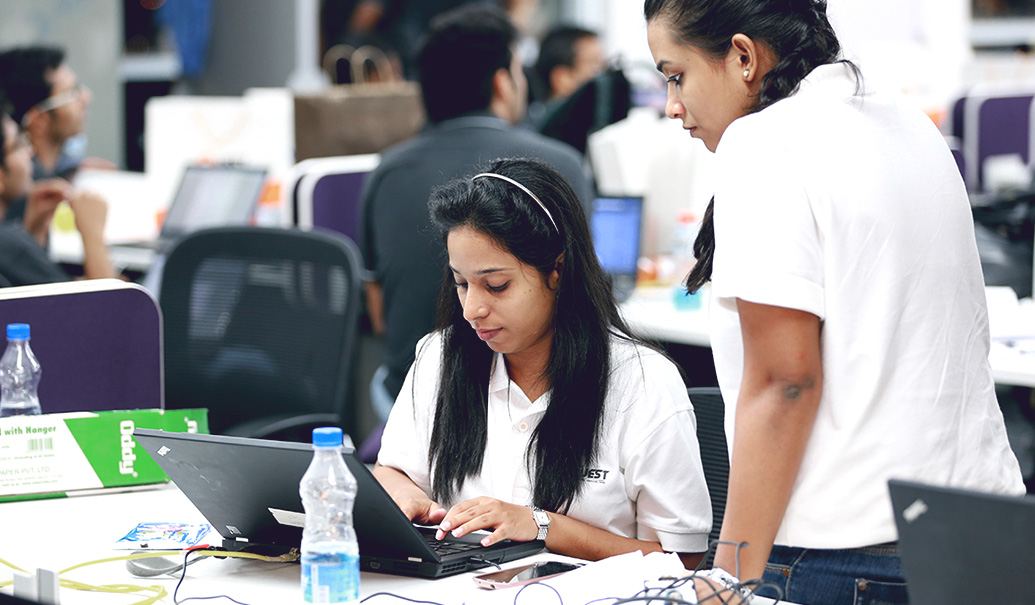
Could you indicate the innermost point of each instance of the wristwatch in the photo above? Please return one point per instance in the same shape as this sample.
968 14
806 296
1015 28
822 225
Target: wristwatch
542 520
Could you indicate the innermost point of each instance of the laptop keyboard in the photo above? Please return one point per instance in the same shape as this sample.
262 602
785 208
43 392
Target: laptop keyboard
444 547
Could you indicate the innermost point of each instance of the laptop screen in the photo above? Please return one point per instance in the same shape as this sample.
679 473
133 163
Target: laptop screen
213 196
616 233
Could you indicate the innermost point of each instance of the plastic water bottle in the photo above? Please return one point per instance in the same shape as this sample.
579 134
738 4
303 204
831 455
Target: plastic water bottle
330 554
19 375
683 237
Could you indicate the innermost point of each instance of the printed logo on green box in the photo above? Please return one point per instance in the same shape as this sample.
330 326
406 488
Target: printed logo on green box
56 453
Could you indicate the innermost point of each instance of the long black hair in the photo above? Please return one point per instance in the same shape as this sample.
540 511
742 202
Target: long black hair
585 316
796 31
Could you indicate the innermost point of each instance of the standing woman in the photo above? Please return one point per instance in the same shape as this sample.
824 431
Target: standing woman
530 411
850 332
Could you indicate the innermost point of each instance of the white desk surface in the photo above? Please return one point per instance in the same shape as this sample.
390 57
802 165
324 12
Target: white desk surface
651 313
59 533
134 206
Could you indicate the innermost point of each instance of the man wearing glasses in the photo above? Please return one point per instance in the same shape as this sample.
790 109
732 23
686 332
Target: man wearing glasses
23 261
50 104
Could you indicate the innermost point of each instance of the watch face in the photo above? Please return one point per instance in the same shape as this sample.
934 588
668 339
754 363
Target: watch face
541 517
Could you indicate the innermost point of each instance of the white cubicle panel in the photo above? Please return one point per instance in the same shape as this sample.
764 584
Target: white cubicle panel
652 156
255 129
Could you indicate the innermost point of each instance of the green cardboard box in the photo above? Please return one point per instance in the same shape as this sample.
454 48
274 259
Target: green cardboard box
55 454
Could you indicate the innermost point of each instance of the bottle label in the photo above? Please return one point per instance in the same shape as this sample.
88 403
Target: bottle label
330 578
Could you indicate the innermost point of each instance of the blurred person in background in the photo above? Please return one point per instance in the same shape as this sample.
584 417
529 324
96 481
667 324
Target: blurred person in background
23 261
569 57
394 26
474 95
50 103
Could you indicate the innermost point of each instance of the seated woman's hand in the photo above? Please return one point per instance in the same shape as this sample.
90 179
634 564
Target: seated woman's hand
420 510
508 521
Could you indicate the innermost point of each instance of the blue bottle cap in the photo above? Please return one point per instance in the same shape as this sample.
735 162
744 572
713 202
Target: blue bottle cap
327 436
17 331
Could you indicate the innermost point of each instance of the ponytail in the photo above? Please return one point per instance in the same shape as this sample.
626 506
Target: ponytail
704 251
808 42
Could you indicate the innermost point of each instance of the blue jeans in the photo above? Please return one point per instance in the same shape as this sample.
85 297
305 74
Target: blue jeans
871 575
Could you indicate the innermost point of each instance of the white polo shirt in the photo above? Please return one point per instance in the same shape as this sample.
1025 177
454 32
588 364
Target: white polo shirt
647 482
851 208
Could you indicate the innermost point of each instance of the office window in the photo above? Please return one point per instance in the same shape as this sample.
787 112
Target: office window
1003 25
997 9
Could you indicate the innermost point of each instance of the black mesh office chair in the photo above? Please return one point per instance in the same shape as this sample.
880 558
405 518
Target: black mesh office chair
260 328
711 436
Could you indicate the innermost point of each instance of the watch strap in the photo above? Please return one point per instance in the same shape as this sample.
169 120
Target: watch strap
542 520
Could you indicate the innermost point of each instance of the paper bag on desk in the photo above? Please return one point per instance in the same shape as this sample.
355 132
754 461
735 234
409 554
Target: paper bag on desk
355 119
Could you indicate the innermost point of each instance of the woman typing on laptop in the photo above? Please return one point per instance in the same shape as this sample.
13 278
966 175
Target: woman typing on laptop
530 411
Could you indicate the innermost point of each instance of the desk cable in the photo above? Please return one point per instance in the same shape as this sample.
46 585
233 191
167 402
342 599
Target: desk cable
158 592
664 592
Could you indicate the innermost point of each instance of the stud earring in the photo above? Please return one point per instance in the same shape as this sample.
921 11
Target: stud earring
746 74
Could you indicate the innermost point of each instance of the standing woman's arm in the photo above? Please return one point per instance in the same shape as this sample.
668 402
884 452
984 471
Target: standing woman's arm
779 396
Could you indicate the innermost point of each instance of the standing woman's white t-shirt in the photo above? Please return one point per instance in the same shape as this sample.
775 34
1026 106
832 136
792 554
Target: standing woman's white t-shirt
849 206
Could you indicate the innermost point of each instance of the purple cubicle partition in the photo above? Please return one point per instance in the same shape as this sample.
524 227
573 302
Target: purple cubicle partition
99 343
995 125
336 202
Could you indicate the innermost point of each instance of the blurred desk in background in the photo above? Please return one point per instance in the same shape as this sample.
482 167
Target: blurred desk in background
651 313
134 211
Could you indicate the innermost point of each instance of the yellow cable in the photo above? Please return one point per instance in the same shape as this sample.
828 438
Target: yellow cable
159 591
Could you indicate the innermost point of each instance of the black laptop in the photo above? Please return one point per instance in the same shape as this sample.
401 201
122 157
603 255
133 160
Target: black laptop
961 546
247 489
616 223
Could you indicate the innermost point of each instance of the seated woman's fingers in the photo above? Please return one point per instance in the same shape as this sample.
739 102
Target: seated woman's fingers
508 521
452 518
435 515
423 511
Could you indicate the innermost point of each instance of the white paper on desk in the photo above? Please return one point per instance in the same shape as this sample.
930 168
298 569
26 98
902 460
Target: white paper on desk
132 202
1008 318
620 576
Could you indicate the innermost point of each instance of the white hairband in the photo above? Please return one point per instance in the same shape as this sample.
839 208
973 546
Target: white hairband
493 175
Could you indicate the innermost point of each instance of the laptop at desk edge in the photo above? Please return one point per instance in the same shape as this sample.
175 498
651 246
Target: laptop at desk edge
248 490
962 546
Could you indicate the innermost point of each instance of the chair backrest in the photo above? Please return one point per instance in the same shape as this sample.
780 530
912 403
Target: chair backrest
326 192
711 436
99 343
956 147
261 323
995 124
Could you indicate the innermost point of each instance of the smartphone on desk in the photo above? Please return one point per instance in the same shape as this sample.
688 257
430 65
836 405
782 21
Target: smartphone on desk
525 574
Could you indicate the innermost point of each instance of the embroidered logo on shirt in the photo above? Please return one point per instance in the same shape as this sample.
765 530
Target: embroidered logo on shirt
596 475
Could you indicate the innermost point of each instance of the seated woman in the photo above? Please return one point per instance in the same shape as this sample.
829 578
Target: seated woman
531 395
